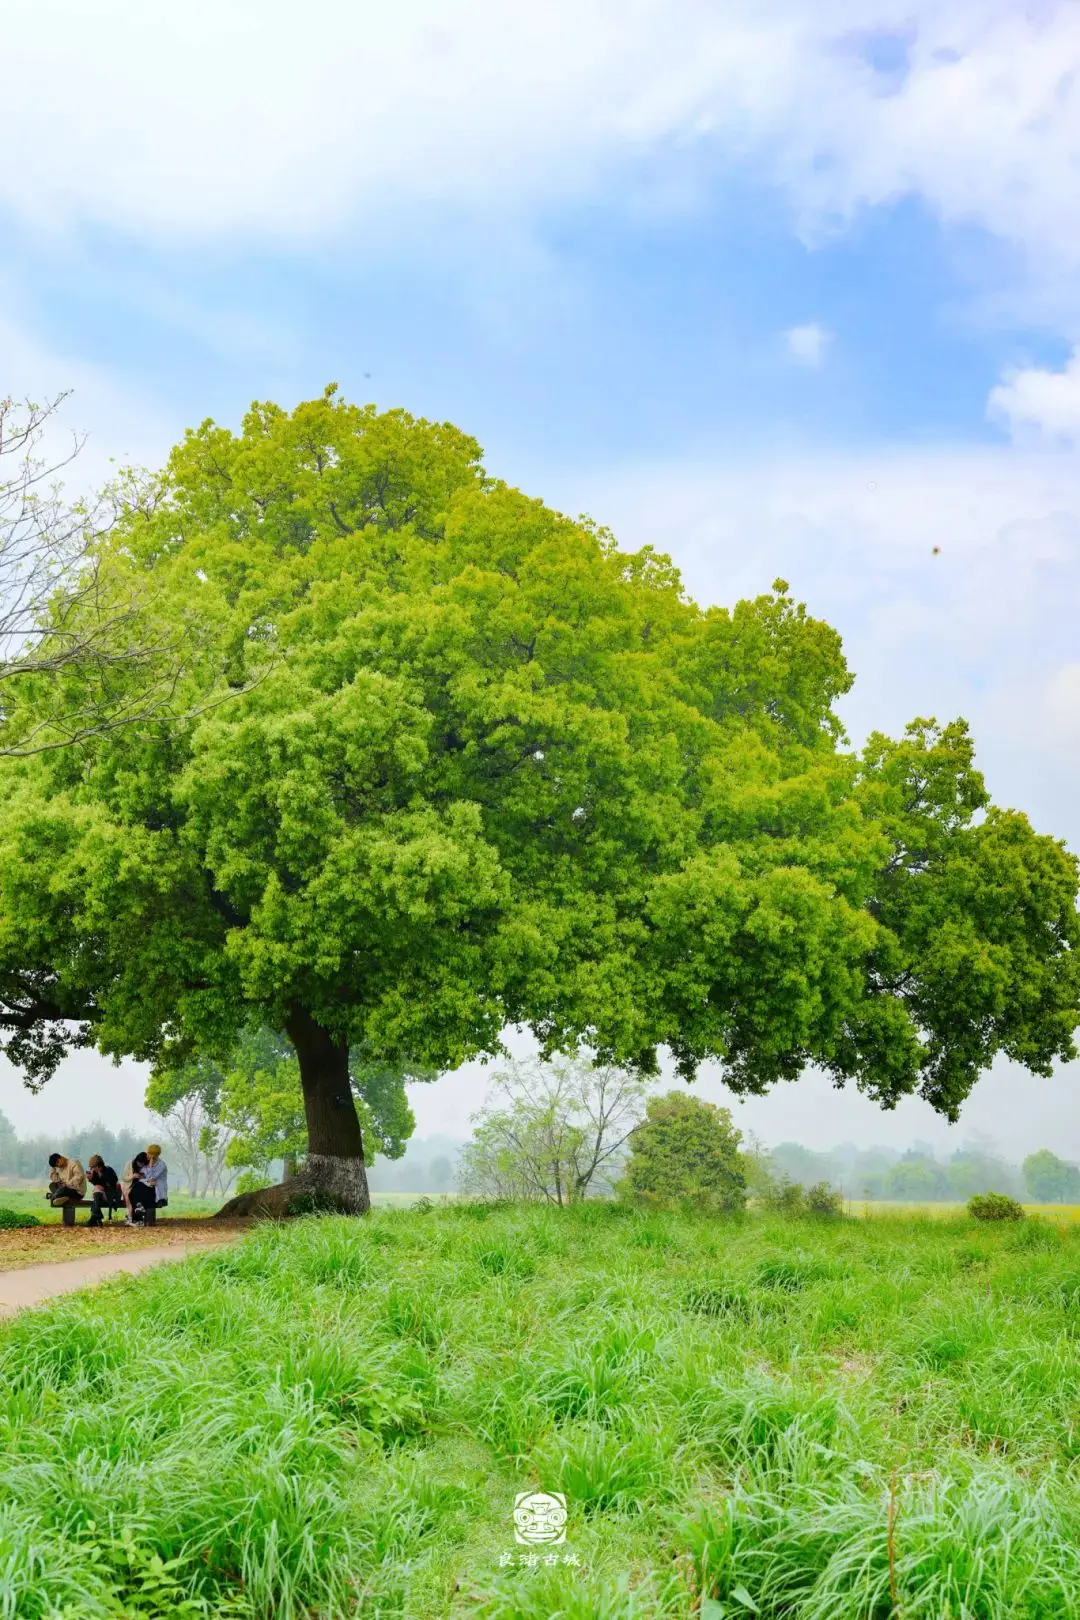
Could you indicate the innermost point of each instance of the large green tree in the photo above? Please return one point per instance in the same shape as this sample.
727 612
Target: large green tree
480 767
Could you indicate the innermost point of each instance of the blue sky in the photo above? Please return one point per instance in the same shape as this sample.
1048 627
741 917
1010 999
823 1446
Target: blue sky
779 287
597 334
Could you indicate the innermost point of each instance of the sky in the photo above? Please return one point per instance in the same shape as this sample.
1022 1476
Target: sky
782 287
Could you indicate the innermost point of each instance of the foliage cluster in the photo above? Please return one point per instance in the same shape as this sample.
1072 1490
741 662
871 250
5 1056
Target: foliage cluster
785 1197
1050 1180
12 1220
685 1151
994 1206
736 1410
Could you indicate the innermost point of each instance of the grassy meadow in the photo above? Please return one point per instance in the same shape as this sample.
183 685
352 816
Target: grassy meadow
822 1420
32 1201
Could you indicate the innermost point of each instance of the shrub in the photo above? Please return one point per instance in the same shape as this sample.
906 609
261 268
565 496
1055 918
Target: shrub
251 1181
12 1219
785 1197
685 1151
994 1206
821 1199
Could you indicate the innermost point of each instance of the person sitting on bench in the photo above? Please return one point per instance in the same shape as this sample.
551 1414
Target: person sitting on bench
138 1195
106 1184
156 1174
67 1181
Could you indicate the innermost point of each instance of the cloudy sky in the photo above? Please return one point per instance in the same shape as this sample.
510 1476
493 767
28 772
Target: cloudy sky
781 287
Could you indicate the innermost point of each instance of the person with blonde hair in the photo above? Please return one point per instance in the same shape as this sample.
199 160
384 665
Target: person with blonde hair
156 1174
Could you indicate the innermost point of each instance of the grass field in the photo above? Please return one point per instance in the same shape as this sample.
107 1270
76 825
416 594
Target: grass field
31 1200
1057 1213
835 1421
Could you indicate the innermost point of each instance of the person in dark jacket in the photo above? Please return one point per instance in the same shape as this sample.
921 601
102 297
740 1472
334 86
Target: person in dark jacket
106 1184
137 1194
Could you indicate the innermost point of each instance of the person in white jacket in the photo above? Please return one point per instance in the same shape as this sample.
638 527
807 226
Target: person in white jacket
156 1174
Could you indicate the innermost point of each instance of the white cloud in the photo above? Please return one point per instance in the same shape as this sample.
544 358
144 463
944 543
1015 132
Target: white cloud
807 344
230 116
1034 401
983 627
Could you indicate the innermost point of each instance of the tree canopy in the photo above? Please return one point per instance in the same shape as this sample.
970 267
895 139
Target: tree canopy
481 767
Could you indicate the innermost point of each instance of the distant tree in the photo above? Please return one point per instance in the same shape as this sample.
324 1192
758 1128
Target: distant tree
868 1170
187 1100
262 1106
1050 1180
821 1199
916 1179
759 1168
803 1164
9 1148
553 1131
973 1171
686 1149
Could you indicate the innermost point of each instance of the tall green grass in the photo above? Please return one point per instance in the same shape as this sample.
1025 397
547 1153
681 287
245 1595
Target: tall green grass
814 1421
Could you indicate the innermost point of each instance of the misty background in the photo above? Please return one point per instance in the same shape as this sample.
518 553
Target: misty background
1009 1115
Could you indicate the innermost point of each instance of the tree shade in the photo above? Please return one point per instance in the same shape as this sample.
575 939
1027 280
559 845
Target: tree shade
472 765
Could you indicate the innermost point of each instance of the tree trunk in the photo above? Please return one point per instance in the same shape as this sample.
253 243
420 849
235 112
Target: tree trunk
333 1177
288 1167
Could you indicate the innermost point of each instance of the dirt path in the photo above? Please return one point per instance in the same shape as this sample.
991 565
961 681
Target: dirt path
35 1245
33 1285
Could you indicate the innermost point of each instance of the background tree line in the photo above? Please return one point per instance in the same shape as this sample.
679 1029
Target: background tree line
563 1131
919 1175
551 1132
25 1157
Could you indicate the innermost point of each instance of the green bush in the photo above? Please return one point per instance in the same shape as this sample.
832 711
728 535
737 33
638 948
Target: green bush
685 1153
251 1181
785 1197
11 1219
994 1206
821 1199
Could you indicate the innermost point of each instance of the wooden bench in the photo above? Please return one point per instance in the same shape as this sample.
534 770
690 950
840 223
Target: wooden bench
67 1211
